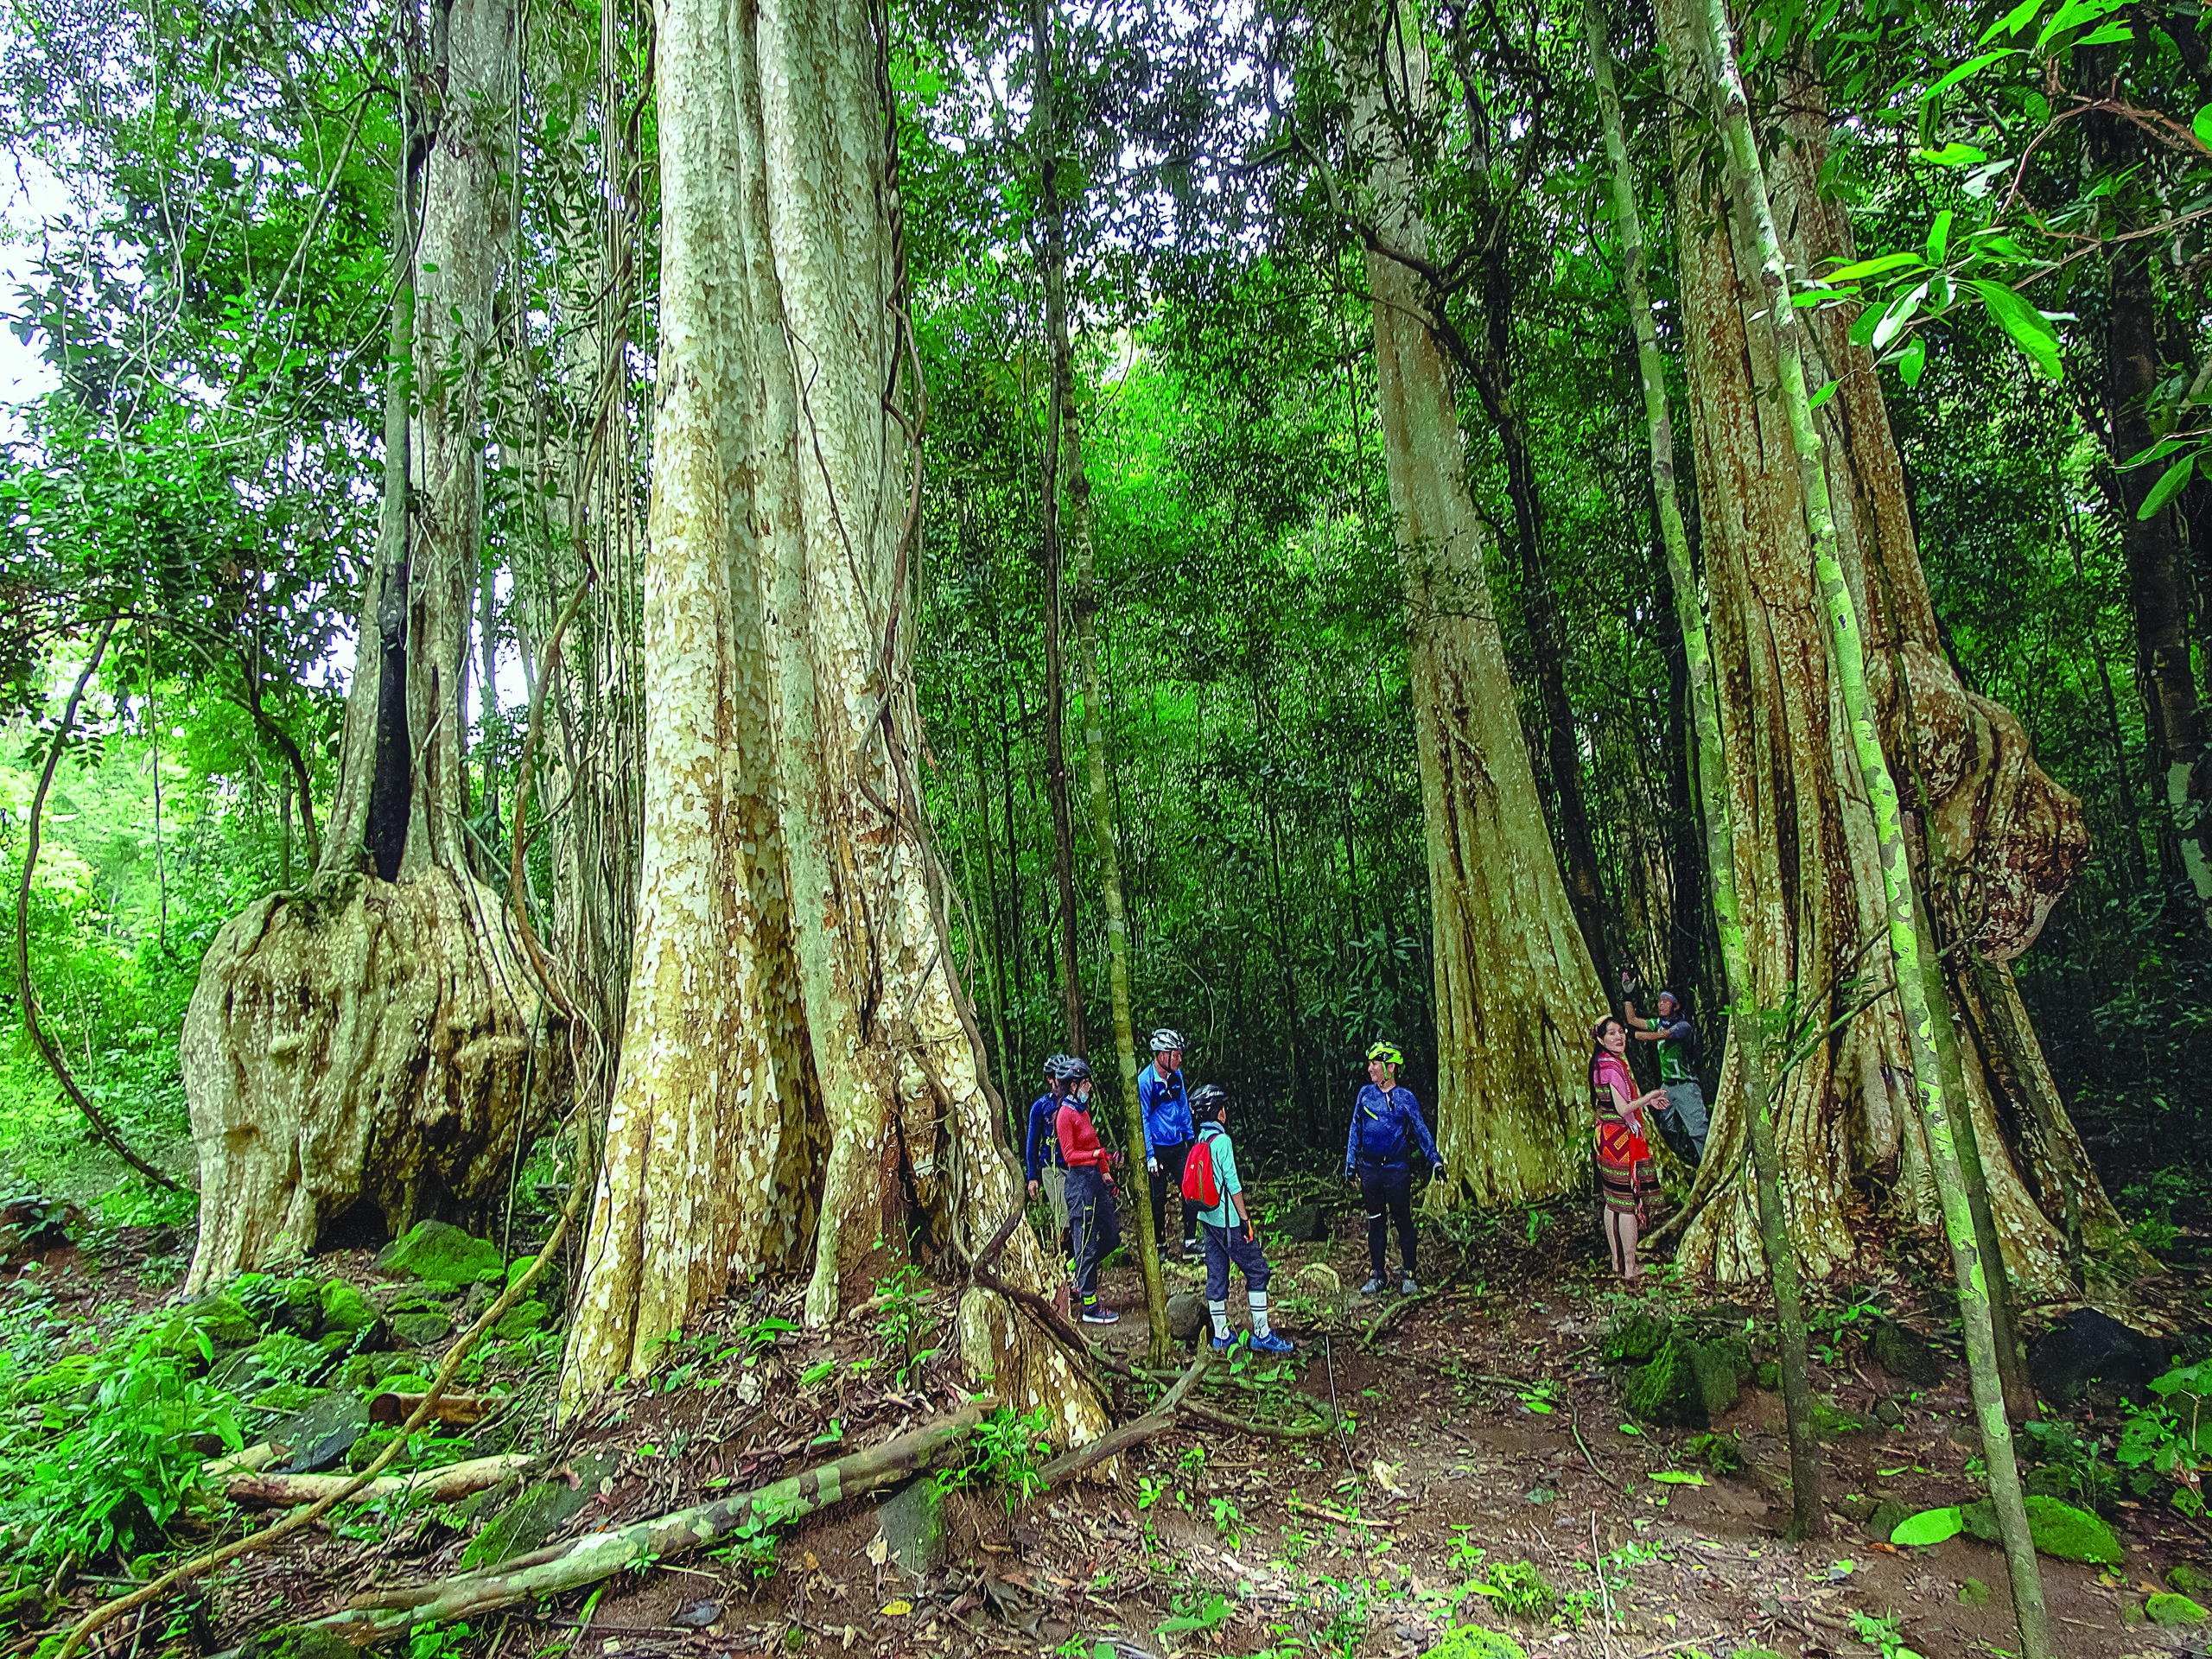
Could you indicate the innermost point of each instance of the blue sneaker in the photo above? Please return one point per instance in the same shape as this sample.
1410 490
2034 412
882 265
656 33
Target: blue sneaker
1223 1344
1272 1344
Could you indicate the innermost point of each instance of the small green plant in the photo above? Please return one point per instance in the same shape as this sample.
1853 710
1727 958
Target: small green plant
1228 1521
438 1641
1197 1613
1516 1587
1149 1491
904 1317
1716 1452
1467 1555
1009 1447
2172 1435
1886 1634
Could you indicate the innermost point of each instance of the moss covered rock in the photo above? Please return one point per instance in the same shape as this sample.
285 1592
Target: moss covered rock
438 1253
293 1305
2059 1530
366 1450
530 1518
288 1396
1473 1642
340 1308
365 1373
298 1642
1884 1521
2189 1580
2170 1609
58 1381
1687 1383
1973 1593
21 1609
226 1321
418 1321
1832 1422
1906 1356
1635 1337
521 1319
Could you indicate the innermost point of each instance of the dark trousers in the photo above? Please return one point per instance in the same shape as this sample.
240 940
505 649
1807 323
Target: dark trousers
1170 1160
1095 1222
1225 1245
1388 1193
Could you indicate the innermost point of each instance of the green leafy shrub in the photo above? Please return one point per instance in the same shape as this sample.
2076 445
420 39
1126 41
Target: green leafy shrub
106 1477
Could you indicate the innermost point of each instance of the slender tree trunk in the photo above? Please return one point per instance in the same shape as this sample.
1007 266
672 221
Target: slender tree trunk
1513 986
1105 831
1492 375
1754 214
1720 833
2156 547
1044 136
375 1038
803 1084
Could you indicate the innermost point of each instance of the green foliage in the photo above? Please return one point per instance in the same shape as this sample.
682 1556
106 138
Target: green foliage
1518 1588
106 1471
1008 1448
1198 1613
2172 1435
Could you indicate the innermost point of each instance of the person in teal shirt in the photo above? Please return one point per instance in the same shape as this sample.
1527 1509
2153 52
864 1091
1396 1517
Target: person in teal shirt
1227 1228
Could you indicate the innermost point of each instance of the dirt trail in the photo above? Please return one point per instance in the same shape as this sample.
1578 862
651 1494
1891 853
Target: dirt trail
1482 1438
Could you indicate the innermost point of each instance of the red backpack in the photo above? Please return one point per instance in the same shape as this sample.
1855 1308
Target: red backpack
1199 1184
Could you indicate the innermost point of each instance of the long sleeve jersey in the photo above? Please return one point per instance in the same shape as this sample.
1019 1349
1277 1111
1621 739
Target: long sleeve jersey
1382 1127
1042 1148
1166 1109
1080 1147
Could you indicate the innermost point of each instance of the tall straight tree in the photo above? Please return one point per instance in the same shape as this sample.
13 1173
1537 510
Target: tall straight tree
802 1081
1516 991
374 1039
1747 1029
1807 878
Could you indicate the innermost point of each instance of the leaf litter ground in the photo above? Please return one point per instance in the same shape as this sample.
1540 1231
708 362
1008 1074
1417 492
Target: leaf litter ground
1486 1472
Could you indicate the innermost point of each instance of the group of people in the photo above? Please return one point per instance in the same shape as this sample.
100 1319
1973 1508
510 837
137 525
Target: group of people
1187 1148
1627 1174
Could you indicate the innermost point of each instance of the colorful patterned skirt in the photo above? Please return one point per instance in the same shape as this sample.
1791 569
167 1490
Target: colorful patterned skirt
1625 1170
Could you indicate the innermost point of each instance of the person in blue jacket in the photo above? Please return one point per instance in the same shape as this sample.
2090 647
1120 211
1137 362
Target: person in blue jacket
1042 1149
1386 1127
1168 1133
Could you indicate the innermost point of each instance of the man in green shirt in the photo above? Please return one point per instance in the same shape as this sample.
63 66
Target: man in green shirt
1678 1057
1227 1227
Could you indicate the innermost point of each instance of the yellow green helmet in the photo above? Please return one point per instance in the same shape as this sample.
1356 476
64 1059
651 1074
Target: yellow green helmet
1386 1052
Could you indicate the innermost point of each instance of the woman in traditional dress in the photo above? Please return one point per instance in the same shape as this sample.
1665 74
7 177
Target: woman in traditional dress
1625 1172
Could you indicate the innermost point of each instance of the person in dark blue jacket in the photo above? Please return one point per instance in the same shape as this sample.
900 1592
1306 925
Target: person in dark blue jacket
1168 1133
1386 1127
1042 1151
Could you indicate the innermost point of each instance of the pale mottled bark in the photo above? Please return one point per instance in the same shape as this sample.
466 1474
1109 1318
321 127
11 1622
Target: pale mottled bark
1516 991
1805 852
366 1039
800 1084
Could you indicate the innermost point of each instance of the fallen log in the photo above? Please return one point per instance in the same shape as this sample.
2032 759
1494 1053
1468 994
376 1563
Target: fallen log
579 1561
1310 1430
454 1480
249 1461
453 1410
1134 1432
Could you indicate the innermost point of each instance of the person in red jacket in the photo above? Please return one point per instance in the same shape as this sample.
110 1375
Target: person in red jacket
1091 1215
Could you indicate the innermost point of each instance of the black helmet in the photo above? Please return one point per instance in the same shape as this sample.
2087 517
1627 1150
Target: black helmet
1165 1038
1206 1097
1056 1068
1072 1069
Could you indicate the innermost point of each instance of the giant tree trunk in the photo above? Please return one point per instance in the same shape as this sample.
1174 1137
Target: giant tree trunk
801 1083
374 1039
1514 988
1806 858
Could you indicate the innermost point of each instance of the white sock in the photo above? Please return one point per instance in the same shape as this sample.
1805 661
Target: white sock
1220 1312
1259 1311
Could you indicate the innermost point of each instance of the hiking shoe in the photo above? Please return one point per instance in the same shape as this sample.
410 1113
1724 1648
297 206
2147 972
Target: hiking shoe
1272 1344
1409 1288
1101 1316
1372 1285
1223 1344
